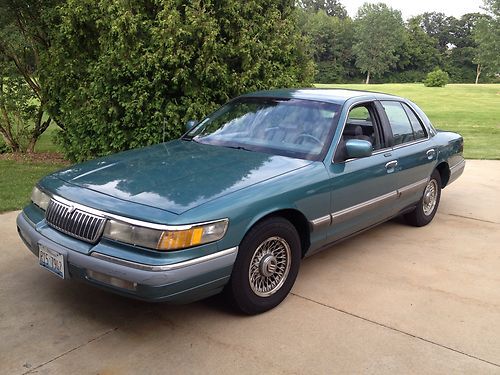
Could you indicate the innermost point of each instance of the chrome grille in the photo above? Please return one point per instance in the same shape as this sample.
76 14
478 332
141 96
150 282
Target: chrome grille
74 222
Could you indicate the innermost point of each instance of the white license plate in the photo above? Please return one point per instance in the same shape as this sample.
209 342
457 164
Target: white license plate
51 260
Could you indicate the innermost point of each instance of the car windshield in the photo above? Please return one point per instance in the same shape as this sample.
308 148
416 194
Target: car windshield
289 127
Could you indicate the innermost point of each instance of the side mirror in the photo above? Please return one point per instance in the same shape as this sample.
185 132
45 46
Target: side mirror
358 148
190 124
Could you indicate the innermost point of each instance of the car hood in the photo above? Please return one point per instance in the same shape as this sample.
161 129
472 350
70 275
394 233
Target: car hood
177 176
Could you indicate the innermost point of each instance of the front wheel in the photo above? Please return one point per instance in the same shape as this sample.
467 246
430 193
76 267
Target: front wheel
428 204
266 267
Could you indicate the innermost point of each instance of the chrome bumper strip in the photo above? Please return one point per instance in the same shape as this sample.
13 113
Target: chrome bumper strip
165 267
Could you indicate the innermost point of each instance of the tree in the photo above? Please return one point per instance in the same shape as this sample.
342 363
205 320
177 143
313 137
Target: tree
487 37
437 25
378 33
460 57
419 50
331 39
124 74
332 8
23 35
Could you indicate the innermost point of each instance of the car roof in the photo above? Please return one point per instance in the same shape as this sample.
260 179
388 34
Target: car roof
337 96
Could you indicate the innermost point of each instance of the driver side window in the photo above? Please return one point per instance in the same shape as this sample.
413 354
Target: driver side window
361 125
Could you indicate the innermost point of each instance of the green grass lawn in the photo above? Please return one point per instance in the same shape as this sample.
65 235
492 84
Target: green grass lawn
471 110
46 141
17 179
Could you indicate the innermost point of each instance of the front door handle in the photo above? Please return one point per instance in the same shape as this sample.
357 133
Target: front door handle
430 154
391 166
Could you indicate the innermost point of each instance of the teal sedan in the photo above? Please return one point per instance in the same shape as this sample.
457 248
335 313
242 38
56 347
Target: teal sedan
236 203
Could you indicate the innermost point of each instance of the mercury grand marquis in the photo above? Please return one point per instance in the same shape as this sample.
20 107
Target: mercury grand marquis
236 202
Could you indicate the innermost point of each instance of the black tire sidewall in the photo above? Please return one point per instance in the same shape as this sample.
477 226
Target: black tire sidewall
241 292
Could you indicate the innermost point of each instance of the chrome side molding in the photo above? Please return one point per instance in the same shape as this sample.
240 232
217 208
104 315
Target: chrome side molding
350 212
358 209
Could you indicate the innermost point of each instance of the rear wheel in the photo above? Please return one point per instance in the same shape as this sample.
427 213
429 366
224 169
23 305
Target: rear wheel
428 204
266 267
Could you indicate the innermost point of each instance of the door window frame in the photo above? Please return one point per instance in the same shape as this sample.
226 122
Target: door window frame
379 129
388 127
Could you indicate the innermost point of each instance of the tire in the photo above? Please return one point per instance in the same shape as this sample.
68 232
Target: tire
428 204
266 266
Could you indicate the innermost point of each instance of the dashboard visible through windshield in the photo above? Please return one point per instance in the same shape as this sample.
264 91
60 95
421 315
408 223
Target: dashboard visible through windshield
289 127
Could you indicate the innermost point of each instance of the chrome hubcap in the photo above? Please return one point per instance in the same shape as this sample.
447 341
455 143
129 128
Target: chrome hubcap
269 266
430 197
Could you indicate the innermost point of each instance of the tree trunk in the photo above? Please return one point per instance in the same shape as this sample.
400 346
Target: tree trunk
40 127
367 77
478 73
7 130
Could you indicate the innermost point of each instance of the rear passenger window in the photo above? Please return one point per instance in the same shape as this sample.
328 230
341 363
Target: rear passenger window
402 130
418 128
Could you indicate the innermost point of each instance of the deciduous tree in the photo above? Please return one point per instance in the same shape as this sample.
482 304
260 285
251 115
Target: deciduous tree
379 33
332 8
23 37
487 37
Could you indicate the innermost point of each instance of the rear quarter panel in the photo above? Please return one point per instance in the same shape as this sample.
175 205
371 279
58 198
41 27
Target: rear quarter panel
450 146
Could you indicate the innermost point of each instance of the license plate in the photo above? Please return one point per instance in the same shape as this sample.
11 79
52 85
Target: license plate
51 260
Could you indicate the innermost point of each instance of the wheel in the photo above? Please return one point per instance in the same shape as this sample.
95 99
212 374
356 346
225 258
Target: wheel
428 204
266 266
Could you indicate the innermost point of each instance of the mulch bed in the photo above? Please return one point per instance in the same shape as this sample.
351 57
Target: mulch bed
37 157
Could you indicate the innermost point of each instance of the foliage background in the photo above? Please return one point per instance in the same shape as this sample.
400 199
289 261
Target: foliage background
124 74
118 74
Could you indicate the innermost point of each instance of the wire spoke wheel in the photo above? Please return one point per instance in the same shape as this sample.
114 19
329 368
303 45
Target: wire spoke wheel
269 266
430 197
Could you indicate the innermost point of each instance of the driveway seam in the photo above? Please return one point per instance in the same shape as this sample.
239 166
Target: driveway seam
397 330
472 218
71 350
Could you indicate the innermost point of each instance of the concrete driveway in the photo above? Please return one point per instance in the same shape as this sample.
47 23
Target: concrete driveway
395 299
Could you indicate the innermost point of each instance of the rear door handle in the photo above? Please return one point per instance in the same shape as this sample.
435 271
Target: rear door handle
430 154
391 166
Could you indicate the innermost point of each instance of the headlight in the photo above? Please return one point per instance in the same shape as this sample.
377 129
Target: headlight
175 239
39 198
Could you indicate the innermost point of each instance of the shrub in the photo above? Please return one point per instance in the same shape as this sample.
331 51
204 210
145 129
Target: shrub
124 74
436 78
3 147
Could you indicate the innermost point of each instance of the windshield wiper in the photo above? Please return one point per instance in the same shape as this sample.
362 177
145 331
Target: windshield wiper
239 148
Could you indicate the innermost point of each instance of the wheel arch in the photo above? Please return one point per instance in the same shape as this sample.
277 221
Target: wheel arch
444 172
297 219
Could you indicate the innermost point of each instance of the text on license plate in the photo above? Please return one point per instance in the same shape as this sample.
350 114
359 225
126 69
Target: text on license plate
51 260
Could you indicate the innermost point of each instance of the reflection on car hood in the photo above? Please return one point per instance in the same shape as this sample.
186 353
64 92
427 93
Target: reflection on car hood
178 175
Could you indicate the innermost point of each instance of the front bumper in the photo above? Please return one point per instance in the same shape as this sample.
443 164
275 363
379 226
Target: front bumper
179 282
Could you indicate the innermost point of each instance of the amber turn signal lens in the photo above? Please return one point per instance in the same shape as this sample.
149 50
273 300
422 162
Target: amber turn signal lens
180 239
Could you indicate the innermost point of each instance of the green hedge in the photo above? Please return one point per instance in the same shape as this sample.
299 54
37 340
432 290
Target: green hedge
125 74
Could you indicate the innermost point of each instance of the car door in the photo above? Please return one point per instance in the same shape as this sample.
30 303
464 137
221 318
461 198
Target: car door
363 190
415 157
